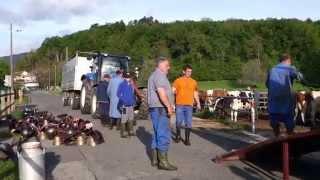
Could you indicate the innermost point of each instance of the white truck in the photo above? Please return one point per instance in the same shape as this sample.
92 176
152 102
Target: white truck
71 83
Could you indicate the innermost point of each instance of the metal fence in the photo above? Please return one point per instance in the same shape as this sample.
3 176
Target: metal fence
7 102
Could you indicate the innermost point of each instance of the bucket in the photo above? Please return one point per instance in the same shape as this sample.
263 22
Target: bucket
31 161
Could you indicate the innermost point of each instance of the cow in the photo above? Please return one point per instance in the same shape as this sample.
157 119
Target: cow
307 106
235 101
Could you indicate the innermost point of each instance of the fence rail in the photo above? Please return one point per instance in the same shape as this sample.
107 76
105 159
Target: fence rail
7 102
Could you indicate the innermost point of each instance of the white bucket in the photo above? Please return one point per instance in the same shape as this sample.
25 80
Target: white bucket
31 161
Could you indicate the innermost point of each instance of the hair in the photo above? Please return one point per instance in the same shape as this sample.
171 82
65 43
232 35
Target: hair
161 59
127 75
187 66
284 57
106 76
120 71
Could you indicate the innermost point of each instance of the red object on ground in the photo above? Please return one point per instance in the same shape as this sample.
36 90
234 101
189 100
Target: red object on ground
277 148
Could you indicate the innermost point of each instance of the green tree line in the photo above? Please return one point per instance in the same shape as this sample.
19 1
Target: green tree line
218 50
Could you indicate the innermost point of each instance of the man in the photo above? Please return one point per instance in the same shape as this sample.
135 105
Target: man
103 99
186 91
92 74
114 100
127 100
281 99
160 100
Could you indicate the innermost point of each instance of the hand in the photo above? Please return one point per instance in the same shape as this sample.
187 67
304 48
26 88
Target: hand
199 107
170 110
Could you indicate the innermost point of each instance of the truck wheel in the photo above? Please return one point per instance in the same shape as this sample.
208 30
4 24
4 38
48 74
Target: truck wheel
84 101
94 105
75 103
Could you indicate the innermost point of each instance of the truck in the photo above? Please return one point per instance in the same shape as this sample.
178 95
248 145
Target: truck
78 90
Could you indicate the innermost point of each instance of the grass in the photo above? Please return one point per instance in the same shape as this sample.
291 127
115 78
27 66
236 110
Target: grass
233 84
8 170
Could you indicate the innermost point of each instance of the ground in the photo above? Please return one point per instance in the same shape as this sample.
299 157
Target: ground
122 159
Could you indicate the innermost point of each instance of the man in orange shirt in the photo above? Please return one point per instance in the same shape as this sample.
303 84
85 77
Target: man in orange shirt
186 91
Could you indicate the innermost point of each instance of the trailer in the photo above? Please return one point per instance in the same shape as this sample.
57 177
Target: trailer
71 84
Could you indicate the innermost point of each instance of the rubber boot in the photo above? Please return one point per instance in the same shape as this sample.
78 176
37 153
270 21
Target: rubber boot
276 130
112 122
123 130
178 135
154 157
187 138
130 129
164 163
118 122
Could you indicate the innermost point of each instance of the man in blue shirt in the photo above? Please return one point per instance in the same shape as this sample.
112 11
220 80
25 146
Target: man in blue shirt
281 96
127 100
103 99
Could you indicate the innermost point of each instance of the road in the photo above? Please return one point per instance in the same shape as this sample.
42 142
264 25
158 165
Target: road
122 159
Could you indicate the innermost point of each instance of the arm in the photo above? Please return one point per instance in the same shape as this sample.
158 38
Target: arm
164 99
196 97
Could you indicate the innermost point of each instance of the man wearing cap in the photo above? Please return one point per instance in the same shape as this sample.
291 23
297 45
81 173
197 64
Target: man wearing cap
91 75
160 100
186 91
112 90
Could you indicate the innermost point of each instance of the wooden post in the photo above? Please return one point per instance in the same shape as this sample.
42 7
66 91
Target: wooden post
2 102
285 160
13 107
8 98
20 94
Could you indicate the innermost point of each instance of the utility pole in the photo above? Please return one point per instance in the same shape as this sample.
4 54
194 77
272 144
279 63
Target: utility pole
11 57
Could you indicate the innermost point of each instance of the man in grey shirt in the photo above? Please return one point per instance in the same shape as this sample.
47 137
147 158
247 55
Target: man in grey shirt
160 100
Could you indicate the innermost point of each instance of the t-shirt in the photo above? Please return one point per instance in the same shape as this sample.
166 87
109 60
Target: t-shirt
158 80
185 88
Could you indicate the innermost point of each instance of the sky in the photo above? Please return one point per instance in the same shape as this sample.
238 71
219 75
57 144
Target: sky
35 20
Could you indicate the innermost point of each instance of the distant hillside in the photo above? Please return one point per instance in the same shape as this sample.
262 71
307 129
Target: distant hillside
16 58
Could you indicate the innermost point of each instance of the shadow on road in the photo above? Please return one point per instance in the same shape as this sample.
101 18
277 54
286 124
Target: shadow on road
52 160
145 137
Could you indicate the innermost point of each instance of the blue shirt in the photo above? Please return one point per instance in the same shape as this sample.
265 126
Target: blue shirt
91 76
279 82
126 94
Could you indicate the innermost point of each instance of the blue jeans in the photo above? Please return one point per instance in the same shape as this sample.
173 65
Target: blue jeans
287 119
161 129
184 115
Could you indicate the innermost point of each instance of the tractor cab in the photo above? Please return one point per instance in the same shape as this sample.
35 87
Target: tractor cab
108 64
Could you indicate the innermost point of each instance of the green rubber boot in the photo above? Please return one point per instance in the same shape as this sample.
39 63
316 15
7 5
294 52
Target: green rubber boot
164 163
130 129
122 130
154 157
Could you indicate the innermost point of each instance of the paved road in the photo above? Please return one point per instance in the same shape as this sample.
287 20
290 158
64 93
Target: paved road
122 159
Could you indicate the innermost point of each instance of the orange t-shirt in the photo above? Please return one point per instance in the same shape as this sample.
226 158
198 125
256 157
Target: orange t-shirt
185 88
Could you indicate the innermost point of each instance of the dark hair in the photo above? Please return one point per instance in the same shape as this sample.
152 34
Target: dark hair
106 76
187 66
284 57
127 75
161 59
120 71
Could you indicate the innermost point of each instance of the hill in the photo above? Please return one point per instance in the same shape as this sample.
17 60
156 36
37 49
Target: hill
217 50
